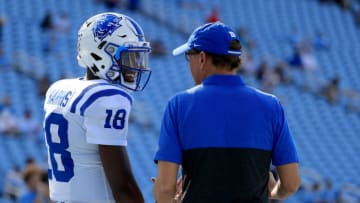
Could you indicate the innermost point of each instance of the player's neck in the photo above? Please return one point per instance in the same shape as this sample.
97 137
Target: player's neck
90 76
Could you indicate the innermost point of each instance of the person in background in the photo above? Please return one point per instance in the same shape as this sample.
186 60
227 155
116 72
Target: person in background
32 193
9 124
13 184
214 15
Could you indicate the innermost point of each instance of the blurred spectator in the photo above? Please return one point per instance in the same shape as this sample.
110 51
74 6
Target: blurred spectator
8 122
30 164
29 126
266 77
213 16
281 71
47 23
304 59
4 61
44 84
62 23
158 48
13 184
245 39
33 191
309 63
331 90
308 59
270 81
260 72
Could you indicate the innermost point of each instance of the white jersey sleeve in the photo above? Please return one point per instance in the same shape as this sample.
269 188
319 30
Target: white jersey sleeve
106 118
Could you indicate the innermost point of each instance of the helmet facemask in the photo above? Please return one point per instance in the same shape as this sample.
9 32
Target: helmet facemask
129 65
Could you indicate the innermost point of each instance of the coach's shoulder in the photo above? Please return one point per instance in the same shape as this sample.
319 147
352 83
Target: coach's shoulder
262 94
264 99
185 96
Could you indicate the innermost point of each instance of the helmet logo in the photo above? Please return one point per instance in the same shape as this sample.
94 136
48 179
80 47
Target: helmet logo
105 26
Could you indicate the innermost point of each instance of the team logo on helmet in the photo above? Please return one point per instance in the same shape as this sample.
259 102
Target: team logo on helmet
105 26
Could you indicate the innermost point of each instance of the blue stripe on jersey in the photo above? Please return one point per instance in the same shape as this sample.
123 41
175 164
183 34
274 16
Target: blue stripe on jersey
103 93
77 100
49 174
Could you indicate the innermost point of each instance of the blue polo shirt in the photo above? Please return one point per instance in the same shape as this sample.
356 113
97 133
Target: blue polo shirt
225 135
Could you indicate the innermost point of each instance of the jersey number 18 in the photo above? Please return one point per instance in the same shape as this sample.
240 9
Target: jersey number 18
56 132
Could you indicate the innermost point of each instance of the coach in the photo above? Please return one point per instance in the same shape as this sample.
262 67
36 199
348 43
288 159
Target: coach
223 133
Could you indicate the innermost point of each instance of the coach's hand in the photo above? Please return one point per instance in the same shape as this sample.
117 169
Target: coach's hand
271 183
178 193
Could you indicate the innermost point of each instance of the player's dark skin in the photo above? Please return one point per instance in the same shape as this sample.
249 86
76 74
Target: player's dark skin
118 170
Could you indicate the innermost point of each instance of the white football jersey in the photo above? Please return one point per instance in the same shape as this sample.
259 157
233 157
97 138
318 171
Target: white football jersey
80 115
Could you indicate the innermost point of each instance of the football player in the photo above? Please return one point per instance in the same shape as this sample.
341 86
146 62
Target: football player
86 119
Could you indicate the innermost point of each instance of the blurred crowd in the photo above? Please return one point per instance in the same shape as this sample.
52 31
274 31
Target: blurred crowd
28 184
11 125
300 69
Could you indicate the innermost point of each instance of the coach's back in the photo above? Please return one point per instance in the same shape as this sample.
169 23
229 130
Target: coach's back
223 133
229 157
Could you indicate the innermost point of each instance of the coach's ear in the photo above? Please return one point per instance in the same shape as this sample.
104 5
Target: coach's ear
202 60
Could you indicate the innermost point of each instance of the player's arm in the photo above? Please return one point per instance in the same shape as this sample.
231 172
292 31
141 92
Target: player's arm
165 184
106 121
288 182
118 172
